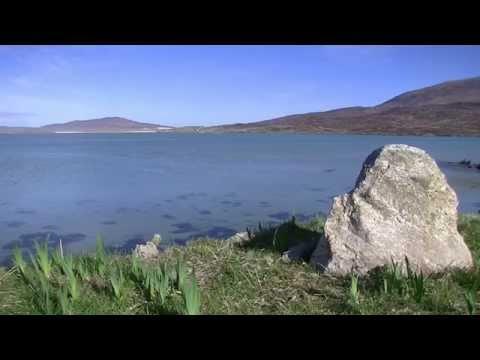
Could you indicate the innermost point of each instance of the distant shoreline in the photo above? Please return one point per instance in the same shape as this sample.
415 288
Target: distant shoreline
172 131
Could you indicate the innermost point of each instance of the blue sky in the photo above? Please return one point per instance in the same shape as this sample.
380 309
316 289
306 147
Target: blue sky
207 85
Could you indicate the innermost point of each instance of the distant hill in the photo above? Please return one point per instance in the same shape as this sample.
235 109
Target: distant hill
102 125
449 108
450 92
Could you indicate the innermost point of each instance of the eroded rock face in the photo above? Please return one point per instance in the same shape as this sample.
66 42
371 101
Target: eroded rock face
401 206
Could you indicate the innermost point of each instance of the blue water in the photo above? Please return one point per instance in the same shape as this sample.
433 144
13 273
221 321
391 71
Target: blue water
127 187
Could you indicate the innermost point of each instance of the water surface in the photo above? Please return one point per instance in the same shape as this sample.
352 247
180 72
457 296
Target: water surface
129 186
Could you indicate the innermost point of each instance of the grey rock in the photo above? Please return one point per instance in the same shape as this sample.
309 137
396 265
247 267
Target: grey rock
157 239
300 252
239 238
401 206
147 251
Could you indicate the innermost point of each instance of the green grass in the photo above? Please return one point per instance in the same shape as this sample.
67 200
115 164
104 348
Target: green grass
212 276
100 283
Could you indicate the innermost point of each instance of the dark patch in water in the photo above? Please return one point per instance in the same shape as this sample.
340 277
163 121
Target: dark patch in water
27 241
26 212
109 222
169 201
15 224
131 243
184 227
85 202
322 201
282 215
71 238
3 203
216 232
50 227
231 203
204 212
329 170
8 261
124 210
191 195
168 217
302 217
265 204
181 242
317 189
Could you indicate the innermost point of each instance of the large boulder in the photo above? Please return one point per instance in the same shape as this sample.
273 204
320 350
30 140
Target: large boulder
401 206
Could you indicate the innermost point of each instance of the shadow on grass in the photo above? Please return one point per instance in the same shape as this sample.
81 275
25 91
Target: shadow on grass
280 238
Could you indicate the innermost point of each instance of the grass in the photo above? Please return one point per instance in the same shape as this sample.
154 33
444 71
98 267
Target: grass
211 276
100 283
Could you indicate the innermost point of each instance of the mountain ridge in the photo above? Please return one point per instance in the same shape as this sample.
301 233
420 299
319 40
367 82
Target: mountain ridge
447 108
450 108
114 124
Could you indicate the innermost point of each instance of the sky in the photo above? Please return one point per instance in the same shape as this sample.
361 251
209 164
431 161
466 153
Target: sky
210 85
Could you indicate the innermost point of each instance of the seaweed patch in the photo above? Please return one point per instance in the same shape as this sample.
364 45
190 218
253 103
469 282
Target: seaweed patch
184 227
27 241
15 224
109 222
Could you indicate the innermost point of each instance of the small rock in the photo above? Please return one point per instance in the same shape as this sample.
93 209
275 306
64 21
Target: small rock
157 239
147 251
239 238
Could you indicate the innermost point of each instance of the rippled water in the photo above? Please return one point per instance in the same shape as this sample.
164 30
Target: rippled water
129 186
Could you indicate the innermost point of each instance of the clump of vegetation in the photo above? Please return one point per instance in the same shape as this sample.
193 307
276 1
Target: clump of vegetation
101 283
231 278
282 237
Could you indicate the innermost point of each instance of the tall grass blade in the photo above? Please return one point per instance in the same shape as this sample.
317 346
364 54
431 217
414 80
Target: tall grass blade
64 302
43 259
73 285
117 282
163 285
354 291
191 297
19 261
470 297
181 274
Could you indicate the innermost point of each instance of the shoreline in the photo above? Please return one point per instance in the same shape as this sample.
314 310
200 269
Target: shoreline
228 278
167 131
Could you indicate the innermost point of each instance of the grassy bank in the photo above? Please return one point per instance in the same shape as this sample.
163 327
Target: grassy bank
216 277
